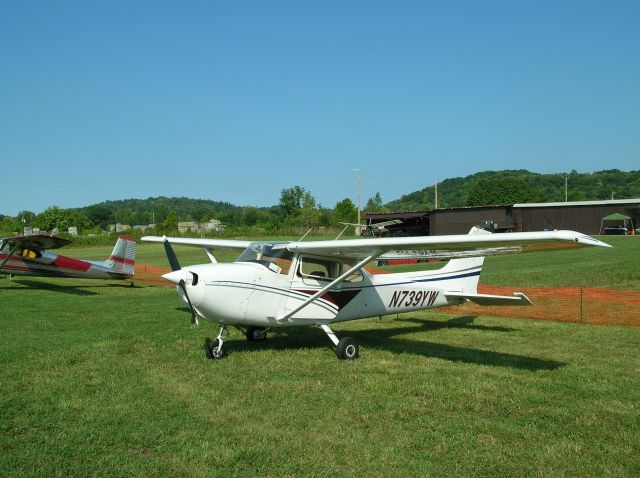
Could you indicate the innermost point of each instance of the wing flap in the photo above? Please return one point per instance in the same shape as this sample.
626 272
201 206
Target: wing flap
518 298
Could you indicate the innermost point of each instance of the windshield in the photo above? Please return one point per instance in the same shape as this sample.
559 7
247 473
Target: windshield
273 255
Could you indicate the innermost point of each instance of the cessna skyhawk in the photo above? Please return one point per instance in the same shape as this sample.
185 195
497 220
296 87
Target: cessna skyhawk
28 256
283 284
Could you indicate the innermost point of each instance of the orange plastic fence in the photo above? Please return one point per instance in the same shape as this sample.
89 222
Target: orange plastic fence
565 304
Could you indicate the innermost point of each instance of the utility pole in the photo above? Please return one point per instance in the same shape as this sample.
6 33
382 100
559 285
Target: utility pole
436 195
565 186
357 171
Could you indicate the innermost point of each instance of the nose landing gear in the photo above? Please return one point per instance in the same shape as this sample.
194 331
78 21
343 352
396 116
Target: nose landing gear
215 350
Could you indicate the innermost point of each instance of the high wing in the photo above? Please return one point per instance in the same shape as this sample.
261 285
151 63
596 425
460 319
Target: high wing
39 241
206 243
10 245
448 247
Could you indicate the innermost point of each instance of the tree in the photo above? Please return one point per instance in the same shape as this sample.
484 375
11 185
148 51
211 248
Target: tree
10 226
99 215
309 213
171 222
291 200
345 211
25 216
509 190
61 219
52 218
374 204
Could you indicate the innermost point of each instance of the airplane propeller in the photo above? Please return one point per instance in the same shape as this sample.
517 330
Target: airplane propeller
175 266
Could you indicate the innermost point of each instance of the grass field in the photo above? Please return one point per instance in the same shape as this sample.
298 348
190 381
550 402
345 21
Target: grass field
105 380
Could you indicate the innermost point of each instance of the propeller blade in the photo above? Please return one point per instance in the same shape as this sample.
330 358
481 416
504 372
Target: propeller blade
183 286
175 266
171 256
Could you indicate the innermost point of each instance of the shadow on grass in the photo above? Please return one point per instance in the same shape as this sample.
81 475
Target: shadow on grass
463 322
387 340
73 289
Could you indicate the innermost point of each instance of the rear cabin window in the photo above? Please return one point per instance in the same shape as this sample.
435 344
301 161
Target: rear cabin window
320 269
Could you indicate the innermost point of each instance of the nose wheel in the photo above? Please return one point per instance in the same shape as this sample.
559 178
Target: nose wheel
215 350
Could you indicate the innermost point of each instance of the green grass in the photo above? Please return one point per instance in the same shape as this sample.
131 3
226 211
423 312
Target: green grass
101 379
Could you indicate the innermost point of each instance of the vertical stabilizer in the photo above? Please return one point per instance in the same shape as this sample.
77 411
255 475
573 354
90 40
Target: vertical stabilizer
469 268
123 257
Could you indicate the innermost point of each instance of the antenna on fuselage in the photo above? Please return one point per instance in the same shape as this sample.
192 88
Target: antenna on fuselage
305 235
342 232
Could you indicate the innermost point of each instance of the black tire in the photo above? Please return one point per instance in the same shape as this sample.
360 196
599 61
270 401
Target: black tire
347 349
256 334
217 351
207 348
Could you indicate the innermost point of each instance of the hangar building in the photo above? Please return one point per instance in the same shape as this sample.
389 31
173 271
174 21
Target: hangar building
583 216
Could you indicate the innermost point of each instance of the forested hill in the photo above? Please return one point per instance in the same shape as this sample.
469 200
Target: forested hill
520 186
157 209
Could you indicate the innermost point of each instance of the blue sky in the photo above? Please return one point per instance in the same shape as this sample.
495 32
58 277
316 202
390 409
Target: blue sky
235 101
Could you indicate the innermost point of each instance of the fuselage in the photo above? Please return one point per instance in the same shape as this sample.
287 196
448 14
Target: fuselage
36 263
258 292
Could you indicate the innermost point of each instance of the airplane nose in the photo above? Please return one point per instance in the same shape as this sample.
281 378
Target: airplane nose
176 276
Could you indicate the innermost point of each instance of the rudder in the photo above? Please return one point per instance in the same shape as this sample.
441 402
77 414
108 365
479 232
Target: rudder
123 256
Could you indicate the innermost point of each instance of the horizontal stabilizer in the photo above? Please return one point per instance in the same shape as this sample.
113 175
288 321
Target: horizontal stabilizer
518 298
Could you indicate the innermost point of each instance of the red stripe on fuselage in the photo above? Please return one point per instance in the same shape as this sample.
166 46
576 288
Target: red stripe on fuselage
71 263
123 260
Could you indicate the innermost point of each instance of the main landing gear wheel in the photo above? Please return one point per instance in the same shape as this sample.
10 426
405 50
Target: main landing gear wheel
214 350
256 334
347 349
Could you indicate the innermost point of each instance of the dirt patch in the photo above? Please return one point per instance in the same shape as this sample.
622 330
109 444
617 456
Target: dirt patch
151 275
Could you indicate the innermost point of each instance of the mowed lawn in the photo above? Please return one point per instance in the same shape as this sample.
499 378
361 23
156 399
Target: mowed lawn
105 380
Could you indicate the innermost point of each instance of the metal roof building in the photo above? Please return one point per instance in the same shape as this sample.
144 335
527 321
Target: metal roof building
582 216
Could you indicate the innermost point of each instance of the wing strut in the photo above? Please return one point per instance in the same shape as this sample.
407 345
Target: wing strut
321 292
10 254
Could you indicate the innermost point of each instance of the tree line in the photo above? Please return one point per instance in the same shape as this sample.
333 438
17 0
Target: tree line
299 210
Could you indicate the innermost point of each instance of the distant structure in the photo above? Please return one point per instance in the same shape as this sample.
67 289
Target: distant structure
119 227
213 225
143 227
582 216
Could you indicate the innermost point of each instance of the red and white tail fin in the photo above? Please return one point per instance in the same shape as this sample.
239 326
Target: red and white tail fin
123 257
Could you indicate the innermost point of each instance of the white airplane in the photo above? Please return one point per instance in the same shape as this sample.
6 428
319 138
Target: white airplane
283 284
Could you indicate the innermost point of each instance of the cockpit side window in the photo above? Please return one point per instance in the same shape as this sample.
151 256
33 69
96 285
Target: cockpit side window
30 253
320 269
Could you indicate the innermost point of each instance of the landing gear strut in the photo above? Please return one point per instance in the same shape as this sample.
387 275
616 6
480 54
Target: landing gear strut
347 348
215 350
